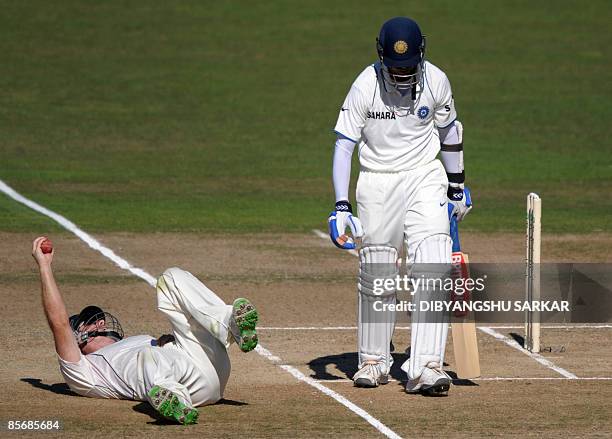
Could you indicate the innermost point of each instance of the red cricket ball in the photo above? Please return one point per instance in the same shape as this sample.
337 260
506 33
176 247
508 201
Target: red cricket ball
46 246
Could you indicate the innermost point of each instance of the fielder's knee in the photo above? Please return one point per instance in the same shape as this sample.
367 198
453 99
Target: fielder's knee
172 271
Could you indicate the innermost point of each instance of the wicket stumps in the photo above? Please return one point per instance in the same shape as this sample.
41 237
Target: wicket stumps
532 275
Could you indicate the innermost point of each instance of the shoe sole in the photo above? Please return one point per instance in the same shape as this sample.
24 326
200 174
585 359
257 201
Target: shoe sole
246 316
167 404
365 383
439 388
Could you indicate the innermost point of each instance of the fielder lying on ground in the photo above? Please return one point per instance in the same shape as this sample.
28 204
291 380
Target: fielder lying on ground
174 373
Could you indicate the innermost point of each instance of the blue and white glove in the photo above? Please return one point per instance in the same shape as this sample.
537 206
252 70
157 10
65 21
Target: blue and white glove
341 218
460 198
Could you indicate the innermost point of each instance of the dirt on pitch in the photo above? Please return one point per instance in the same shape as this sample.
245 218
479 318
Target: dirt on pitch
295 280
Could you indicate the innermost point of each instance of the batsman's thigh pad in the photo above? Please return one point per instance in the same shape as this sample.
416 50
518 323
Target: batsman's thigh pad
427 213
431 269
378 271
381 207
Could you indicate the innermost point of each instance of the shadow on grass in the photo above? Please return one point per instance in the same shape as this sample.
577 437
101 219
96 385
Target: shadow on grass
347 364
518 338
58 388
146 409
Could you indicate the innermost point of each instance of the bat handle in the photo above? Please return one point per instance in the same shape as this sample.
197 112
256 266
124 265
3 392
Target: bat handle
454 234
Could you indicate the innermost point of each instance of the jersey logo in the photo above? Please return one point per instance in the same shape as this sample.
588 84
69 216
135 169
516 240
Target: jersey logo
381 115
344 109
423 112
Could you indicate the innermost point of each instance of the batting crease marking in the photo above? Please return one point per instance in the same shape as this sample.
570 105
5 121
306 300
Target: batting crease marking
346 328
458 381
122 263
325 236
537 357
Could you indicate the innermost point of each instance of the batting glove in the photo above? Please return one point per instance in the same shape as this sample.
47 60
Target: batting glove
460 198
338 220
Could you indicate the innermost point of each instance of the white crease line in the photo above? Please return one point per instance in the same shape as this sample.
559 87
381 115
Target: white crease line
537 357
329 392
542 379
354 328
458 381
509 342
70 226
312 328
325 236
122 263
568 326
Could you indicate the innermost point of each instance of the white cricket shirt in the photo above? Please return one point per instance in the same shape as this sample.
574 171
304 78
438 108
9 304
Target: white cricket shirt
112 372
394 132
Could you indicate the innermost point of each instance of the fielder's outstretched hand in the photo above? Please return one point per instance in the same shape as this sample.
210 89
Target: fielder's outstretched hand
341 218
461 201
37 252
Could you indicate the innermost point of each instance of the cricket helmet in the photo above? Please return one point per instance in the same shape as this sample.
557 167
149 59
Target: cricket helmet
105 324
401 50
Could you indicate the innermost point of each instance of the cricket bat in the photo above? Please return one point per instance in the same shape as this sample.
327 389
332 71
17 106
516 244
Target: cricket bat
465 344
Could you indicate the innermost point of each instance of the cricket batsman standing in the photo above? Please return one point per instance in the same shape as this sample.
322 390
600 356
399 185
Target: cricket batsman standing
401 114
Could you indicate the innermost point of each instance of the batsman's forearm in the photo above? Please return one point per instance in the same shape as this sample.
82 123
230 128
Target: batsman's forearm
341 168
53 303
451 154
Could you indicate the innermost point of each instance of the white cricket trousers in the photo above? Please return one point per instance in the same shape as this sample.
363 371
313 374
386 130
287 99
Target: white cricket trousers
409 208
397 208
201 326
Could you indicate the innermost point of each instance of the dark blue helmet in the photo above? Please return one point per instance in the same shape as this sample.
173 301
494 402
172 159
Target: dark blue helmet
401 50
91 322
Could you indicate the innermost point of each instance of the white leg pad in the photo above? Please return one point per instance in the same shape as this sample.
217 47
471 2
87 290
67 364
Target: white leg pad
375 325
429 328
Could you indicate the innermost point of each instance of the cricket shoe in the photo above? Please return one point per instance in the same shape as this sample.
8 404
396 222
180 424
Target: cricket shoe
168 404
245 317
370 375
432 382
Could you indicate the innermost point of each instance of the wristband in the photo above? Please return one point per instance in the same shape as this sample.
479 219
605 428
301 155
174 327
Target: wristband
455 193
344 206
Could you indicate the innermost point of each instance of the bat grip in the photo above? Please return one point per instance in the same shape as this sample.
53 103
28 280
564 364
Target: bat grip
454 234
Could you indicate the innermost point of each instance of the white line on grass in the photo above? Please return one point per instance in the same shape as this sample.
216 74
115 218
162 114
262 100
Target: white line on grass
325 236
70 226
458 381
544 326
542 379
354 328
499 336
537 357
311 328
122 263
329 392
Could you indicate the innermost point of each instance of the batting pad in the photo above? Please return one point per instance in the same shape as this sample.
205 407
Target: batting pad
429 328
375 321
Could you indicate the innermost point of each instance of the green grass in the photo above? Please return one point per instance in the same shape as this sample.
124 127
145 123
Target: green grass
217 116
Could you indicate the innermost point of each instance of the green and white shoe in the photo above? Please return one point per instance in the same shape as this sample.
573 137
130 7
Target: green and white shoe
169 405
245 316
